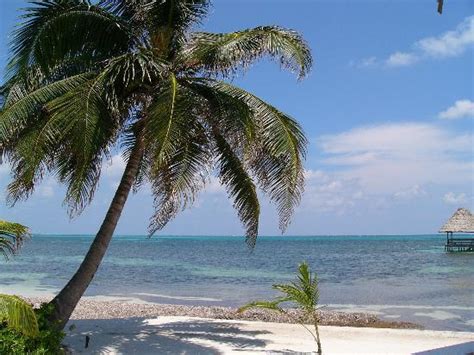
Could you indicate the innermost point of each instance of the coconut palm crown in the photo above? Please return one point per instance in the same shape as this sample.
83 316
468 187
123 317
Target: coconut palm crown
86 78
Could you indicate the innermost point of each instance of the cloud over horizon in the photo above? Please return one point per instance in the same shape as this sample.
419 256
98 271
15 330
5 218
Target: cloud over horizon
449 44
455 199
460 109
389 158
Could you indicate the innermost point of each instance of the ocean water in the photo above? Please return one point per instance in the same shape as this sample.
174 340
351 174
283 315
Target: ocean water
406 278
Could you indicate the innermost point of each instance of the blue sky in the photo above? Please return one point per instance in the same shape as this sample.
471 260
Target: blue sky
388 109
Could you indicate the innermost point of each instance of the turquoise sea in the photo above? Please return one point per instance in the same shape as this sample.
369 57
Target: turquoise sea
407 277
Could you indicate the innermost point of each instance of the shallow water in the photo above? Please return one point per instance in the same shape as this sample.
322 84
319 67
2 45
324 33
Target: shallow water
407 278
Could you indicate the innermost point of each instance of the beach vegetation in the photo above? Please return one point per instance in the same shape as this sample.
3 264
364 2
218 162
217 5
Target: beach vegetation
302 293
24 330
12 236
89 79
18 314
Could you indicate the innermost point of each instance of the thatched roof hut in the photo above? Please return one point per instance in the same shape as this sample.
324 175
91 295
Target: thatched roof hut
462 221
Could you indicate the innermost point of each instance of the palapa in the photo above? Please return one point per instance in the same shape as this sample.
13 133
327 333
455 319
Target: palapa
462 221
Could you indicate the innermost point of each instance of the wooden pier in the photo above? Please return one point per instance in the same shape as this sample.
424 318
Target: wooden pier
459 244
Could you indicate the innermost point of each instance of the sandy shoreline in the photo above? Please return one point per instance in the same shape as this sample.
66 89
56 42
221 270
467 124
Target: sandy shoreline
192 335
103 308
124 327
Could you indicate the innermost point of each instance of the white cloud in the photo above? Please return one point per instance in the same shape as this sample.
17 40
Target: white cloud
449 44
214 186
409 193
112 170
326 192
460 109
391 158
455 199
47 187
4 169
400 59
366 62
115 166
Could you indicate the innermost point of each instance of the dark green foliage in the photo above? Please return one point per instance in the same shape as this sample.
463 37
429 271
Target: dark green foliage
48 341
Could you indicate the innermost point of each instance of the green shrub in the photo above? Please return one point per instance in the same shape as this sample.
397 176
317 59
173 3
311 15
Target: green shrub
48 340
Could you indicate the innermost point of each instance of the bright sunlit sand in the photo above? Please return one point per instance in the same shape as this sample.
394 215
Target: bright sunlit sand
188 335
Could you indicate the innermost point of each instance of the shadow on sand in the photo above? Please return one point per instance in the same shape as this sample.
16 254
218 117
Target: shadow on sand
463 349
137 336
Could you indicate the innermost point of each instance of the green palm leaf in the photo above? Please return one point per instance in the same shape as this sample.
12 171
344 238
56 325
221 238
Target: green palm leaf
12 236
277 159
56 29
171 20
74 135
177 182
270 305
179 152
231 114
227 52
15 115
240 187
18 315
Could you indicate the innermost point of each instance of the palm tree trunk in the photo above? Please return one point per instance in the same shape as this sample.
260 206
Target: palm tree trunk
66 301
316 329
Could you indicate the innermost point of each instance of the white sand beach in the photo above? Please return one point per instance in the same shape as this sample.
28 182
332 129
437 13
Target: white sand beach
191 335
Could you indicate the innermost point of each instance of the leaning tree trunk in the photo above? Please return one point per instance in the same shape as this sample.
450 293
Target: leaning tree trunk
66 301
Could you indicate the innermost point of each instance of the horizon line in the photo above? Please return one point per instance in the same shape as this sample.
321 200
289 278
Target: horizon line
243 236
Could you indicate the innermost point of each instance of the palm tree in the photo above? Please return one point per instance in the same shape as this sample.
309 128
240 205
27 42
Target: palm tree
88 78
304 294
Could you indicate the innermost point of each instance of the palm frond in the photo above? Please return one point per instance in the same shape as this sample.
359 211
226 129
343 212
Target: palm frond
140 66
271 305
232 115
54 30
179 152
138 81
18 315
278 153
227 52
240 187
170 20
81 128
69 142
163 125
23 108
177 182
12 236
304 292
